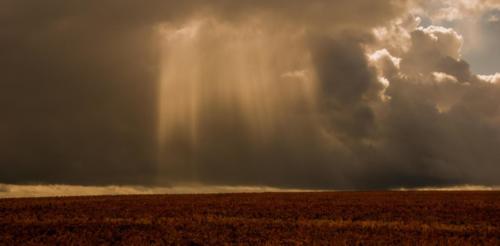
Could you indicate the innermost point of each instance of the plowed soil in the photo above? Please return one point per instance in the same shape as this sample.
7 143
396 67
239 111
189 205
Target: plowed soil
338 218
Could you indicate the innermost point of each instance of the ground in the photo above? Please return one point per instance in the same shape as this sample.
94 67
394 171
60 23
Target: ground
339 218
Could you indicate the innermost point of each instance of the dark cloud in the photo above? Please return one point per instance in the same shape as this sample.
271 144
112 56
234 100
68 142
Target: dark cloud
77 96
441 120
80 83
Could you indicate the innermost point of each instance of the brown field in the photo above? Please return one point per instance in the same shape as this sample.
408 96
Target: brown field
352 218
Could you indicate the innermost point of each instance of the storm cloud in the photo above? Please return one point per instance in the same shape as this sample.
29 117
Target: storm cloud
292 94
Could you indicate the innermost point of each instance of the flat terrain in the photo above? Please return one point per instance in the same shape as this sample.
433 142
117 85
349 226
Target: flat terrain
359 218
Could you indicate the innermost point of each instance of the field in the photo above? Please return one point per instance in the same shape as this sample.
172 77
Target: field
352 218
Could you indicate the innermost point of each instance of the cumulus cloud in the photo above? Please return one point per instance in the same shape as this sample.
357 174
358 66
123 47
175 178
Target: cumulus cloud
294 94
442 109
474 20
494 78
434 48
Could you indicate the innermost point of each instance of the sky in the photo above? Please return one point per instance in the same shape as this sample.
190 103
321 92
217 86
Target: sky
290 94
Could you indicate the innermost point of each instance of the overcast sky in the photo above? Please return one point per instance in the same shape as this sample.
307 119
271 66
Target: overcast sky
349 94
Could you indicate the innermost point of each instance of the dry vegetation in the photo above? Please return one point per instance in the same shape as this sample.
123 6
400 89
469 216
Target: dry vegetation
366 218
